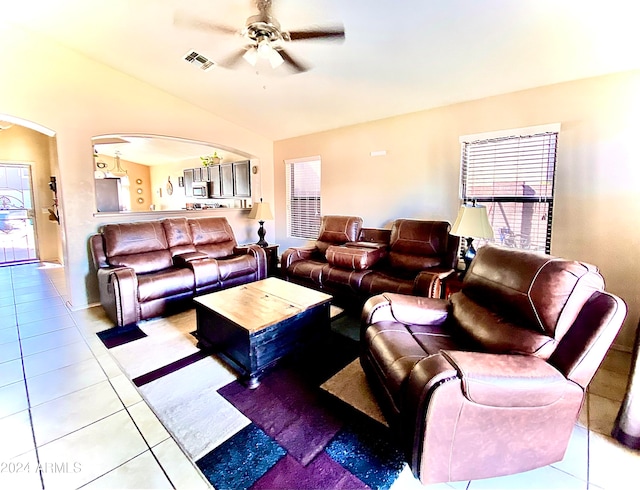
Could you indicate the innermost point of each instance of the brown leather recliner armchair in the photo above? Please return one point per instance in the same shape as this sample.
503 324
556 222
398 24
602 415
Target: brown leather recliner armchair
491 381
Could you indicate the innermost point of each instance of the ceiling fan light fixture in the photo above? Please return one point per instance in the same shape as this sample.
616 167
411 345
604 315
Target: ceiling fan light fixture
251 56
275 59
264 48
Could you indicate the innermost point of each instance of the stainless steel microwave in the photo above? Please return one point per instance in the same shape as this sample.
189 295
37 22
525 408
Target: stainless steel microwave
200 189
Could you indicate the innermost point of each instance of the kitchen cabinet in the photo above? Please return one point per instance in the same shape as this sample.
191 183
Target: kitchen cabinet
241 179
226 178
188 182
215 189
231 179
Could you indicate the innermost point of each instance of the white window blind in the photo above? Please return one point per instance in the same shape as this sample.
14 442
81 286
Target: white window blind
303 198
513 176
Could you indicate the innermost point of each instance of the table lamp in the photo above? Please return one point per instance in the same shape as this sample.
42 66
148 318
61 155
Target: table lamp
262 212
472 222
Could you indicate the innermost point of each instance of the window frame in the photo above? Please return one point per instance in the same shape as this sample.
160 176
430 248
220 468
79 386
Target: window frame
536 205
311 203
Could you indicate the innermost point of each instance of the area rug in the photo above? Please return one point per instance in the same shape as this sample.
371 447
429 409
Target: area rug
287 433
301 437
350 385
113 337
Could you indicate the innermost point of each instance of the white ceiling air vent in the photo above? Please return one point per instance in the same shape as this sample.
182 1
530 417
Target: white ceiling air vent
199 60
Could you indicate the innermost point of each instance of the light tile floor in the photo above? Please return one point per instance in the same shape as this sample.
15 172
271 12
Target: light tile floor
69 418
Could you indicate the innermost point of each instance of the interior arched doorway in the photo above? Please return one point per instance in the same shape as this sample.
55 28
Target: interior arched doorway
29 213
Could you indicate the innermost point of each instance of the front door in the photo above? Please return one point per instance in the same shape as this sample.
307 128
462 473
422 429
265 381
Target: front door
17 219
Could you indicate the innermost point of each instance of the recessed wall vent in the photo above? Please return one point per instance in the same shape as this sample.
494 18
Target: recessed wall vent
199 60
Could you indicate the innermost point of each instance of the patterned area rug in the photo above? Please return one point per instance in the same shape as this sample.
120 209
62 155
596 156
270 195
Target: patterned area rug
113 337
311 423
300 436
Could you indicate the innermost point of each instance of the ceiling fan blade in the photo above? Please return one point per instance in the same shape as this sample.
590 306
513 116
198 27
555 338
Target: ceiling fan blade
182 20
337 34
299 67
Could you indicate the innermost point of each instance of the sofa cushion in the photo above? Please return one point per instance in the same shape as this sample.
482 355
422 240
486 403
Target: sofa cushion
346 279
417 245
413 263
141 246
537 291
178 236
133 238
417 237
307 270
143 263
213 236
494 334
166 283
378 282
336 230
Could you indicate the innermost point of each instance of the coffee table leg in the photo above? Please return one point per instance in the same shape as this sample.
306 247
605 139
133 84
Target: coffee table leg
253 382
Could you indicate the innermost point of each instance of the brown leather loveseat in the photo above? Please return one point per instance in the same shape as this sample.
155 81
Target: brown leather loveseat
151 268
348 260
491 381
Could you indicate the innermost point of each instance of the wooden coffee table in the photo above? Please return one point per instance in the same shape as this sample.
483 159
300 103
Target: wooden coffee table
253 326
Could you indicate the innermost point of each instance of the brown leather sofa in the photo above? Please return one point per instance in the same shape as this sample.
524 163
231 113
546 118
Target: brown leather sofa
348 260
491 381
152 268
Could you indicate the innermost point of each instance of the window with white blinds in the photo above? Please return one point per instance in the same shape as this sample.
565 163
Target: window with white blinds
513 176
303 198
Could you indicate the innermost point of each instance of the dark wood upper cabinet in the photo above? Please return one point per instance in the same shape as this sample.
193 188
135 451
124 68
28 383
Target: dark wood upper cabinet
215 189
231 179
188 182
226 179
242 179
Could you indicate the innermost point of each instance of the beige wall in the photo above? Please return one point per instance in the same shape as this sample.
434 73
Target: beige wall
598 171
597 177
78 98
22 145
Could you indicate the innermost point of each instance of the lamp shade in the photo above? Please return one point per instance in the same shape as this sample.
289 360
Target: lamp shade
472 221
261 211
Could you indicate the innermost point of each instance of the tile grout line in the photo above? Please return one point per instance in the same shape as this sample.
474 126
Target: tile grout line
26 388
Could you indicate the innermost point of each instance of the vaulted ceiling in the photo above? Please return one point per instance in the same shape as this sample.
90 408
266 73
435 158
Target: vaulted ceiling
397 57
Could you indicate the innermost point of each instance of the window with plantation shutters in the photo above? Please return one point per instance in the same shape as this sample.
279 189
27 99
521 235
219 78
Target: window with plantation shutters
303 198
513 176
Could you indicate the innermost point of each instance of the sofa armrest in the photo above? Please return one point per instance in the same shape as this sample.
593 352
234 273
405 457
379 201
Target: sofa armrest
414 310
429 283
507 380
261 258
119 295
294 254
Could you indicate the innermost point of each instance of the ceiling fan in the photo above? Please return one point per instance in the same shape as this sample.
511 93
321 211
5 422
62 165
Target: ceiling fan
265 37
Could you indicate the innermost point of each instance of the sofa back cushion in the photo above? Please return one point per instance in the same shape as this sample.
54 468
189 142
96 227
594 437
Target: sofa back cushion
494 334
212 236
336 230
418 245
532 290
178 235
141 246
